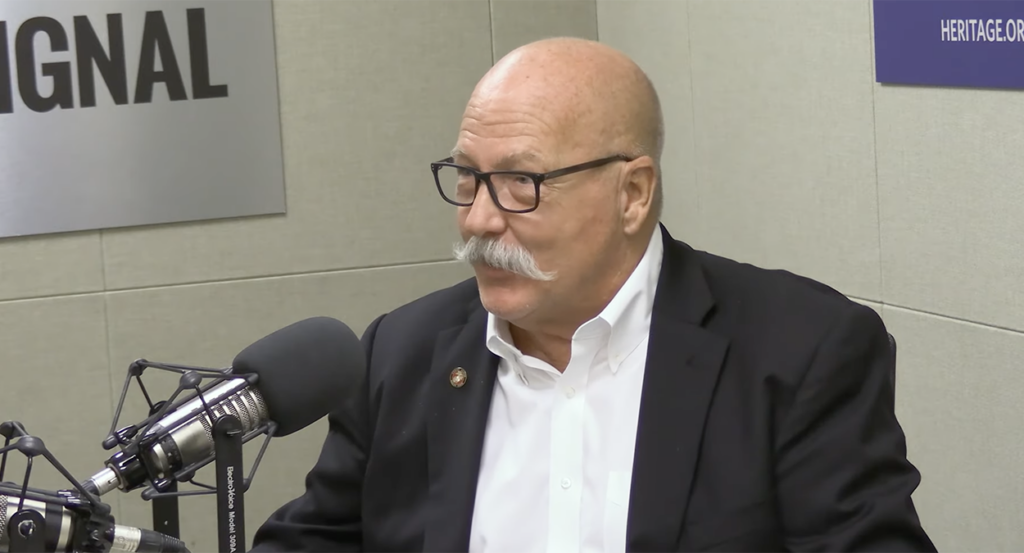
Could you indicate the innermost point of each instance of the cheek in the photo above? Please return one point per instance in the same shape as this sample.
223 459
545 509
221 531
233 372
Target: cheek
570 256
568 237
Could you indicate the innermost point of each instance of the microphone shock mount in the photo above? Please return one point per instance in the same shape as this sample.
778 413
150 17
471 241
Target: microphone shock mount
231 412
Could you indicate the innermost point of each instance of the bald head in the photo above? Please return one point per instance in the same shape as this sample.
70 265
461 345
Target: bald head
591 97
588 116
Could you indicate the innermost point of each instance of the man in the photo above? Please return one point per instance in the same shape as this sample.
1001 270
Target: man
600 386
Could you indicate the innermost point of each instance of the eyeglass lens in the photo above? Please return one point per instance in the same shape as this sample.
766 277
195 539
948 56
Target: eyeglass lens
514 191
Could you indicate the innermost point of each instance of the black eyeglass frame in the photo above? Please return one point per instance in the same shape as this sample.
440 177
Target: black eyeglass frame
538 178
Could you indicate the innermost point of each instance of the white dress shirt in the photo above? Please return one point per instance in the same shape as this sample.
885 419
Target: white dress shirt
558 450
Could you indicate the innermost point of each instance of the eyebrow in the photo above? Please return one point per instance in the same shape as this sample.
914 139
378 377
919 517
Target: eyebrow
505 163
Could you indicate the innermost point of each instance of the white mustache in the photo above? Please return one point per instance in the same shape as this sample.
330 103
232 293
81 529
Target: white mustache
500 255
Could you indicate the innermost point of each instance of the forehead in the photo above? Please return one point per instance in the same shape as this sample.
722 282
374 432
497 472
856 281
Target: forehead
499 159
506 134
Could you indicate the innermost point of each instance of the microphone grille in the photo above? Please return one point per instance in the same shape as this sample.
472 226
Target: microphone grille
246 404
205 421
3 514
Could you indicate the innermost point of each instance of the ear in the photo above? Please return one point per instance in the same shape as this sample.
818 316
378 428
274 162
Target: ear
637 193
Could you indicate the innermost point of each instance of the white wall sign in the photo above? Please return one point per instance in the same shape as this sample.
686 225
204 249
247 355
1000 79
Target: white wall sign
119 113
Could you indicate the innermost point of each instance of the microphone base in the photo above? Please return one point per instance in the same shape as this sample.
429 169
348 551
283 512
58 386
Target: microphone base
227 440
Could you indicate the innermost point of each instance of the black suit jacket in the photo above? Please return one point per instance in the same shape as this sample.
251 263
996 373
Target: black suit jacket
766 424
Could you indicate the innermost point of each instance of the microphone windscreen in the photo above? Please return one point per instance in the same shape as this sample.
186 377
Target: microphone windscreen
305 370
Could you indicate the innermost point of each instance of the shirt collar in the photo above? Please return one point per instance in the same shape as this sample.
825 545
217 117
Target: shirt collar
627 315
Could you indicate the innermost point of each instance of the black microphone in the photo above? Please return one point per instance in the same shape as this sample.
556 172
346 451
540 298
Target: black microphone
290 379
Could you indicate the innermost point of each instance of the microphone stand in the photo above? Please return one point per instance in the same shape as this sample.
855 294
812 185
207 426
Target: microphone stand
230 489
227 445
165 513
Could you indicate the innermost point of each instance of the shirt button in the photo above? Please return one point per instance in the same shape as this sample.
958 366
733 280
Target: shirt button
569 392
566 483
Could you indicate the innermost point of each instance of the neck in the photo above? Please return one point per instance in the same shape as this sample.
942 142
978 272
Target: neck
550 340
554 348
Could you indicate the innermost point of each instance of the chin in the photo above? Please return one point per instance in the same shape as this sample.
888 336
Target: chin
508 301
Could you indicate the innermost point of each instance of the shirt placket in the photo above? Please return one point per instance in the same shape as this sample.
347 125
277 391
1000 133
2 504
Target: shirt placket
567 426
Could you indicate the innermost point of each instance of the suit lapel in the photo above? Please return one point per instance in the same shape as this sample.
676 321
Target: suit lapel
455 430
683 363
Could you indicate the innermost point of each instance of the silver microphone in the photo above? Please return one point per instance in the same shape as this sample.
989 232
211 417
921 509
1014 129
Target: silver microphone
277 385
64 528
182 437
59 521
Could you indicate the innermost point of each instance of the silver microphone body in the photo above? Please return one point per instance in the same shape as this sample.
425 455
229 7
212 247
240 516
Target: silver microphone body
184 436
59 521
60 528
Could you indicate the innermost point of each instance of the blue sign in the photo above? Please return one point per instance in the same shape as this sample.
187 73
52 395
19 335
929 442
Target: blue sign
962 43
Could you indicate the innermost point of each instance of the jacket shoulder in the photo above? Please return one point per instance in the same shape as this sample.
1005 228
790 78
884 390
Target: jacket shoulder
734 282
778 309
426 316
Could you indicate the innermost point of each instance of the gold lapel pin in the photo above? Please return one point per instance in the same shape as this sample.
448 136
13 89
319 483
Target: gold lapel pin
458 377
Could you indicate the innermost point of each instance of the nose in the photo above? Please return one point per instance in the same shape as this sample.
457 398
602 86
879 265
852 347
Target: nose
483 217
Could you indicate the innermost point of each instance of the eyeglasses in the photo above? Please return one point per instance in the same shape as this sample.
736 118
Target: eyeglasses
512 191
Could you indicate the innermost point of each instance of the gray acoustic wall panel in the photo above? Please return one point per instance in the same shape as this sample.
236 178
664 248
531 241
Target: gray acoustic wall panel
958 398
517 22
50 265
951 192
784 137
